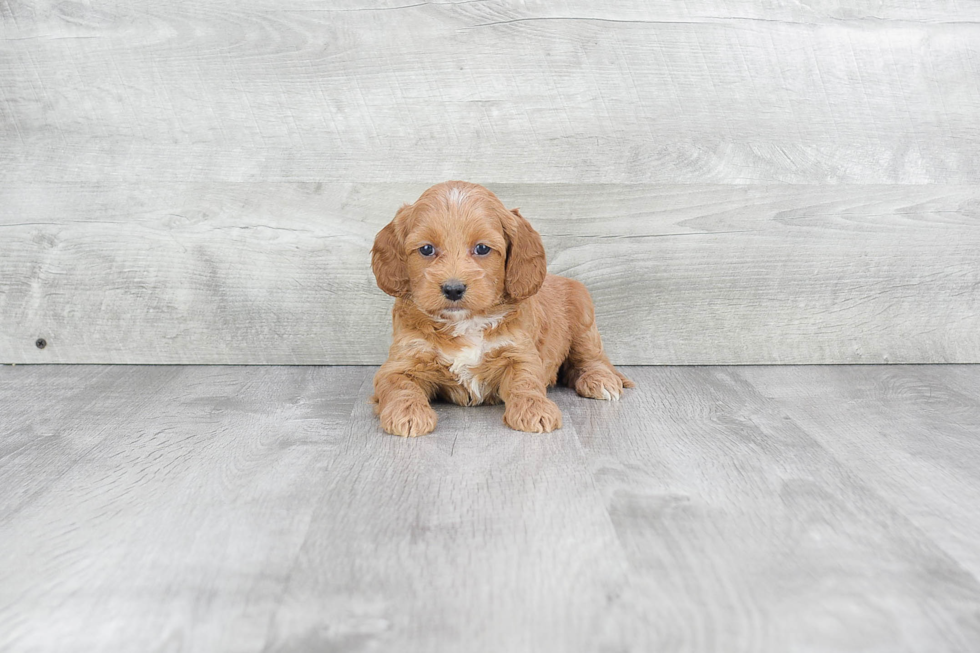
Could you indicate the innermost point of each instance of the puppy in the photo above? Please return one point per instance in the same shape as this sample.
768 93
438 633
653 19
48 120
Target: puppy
477 319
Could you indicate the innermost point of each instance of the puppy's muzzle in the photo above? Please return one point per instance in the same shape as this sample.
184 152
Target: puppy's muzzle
453 289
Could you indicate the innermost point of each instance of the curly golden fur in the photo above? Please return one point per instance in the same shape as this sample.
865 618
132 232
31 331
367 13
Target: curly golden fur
477 319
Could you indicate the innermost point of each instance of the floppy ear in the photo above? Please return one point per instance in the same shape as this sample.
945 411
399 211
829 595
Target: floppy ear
526 266
388 260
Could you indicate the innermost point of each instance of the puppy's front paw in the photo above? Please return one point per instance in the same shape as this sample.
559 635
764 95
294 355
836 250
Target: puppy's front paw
407 418
601 383
532 414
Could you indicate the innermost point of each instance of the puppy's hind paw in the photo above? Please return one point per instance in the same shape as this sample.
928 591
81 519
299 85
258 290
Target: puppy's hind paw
601 383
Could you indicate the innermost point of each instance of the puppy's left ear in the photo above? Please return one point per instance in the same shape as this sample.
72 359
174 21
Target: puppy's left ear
388 259
526 266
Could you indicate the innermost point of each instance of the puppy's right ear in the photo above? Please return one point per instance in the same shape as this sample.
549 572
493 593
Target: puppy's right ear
388 259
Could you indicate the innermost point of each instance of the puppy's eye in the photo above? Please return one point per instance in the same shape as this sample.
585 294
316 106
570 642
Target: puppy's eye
427 250
482 250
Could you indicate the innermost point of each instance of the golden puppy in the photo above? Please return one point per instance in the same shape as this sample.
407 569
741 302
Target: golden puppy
478 319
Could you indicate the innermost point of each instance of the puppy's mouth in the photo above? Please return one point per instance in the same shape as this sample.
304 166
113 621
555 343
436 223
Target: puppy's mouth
454 312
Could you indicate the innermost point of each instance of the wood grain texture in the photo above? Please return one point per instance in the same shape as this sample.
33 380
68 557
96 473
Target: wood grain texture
911 431
737 182
157 508
663 92
480 539
713 509
279 273
744 533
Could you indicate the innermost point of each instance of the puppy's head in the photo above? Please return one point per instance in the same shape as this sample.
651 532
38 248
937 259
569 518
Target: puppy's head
457 251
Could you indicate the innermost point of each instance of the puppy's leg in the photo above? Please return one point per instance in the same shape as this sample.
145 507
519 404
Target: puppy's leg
587 369
402 402
526 404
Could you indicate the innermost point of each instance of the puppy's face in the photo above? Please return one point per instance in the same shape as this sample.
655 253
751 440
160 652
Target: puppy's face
457 252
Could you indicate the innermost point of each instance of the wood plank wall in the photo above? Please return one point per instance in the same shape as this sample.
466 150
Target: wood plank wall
736 181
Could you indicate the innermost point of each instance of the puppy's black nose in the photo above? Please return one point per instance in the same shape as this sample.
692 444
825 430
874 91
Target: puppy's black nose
453 289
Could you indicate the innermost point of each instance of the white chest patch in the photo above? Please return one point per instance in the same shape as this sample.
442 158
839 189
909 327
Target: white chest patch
461 362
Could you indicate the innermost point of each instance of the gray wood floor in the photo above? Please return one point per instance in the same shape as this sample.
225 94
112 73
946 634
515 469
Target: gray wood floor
713 509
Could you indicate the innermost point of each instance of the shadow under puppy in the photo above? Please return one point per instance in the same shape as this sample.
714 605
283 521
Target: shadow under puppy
478 320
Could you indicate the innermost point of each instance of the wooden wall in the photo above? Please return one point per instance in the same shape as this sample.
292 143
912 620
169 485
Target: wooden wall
736 181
